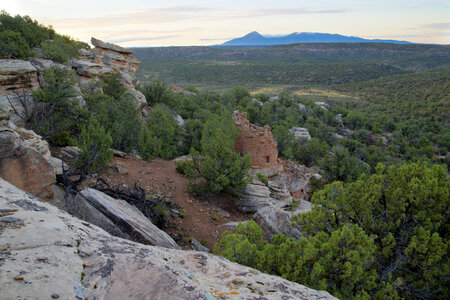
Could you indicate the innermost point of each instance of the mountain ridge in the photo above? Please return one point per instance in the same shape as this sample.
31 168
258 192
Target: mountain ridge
254 38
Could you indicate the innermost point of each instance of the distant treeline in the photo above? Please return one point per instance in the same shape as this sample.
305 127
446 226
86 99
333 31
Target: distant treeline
408 57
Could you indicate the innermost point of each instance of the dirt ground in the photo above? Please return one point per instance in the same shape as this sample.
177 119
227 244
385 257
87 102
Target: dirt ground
203 218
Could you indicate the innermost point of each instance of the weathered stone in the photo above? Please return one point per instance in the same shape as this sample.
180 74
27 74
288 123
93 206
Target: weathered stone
256 101
274 98
198 247
179 120
85 262
98 43
86 68
277 219
255 196
27 169
258 141
300 133
279 191
127 218
233 225
119 153
302 107
16 74
121 170
297 179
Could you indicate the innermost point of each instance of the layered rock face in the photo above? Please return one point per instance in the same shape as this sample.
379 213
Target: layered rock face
46 253
107 58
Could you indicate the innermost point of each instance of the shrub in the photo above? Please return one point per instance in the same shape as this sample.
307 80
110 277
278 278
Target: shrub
95 144
262 178
161 138
56 108
222 168
155 92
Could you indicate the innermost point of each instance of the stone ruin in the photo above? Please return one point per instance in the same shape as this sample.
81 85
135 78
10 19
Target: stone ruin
259 142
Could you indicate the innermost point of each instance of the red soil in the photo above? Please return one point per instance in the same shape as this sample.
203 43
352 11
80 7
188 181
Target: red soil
203 216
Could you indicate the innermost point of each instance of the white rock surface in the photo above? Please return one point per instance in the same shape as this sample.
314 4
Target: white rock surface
57 254
277 219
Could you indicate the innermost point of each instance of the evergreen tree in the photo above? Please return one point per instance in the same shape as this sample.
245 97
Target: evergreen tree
95 144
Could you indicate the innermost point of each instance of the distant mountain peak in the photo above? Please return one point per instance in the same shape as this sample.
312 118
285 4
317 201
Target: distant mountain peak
254 38
253 34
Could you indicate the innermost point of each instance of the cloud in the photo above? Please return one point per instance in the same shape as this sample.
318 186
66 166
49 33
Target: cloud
437 26
135 39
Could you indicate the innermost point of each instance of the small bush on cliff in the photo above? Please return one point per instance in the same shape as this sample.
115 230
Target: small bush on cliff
116 111
56 108
95 144
61 48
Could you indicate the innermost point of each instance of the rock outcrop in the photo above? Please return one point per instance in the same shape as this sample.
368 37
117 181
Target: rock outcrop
255 196
16 74
26 161
277 219
300 133
117 217
106 58
46 253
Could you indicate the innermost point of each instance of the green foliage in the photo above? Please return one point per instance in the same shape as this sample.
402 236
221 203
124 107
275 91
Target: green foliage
13 45
223 169
383 237
397 207
61 48
160 138
186 168
19 35
56 107
148 144
155 92
262 178
95 144
112 86
117 112
342 166
310 152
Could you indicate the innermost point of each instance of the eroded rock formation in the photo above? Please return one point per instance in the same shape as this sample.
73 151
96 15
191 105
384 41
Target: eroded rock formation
46 253
106 58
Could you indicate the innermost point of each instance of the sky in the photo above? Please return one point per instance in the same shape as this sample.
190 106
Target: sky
143 23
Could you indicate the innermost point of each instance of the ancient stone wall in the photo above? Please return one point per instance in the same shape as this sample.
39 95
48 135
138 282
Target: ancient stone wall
256 140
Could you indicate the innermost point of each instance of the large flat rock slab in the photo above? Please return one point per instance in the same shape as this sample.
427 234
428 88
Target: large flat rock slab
46 252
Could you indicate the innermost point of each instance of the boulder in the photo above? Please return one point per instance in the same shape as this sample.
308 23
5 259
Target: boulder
277 219
297 179
255 196
25 167
118 218
59 256
16 74
198 246
300 133
302 107
86 68
100 44
274 98
279 191
26 161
